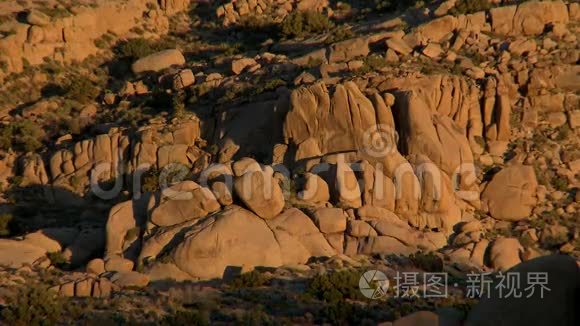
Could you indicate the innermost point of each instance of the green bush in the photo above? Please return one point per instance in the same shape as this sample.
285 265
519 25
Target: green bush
186 318
105 41
270 85
559 183
33 304
3 66
372 62
338 34
428 262
5 222
392 5
57 259
21 135
150 180
336 286
464 7
249 280
303 23
563 132
256 316
178 103
345 313
81 89
137 48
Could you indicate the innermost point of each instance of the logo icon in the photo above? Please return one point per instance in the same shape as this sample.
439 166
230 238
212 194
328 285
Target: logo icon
373 284
380 140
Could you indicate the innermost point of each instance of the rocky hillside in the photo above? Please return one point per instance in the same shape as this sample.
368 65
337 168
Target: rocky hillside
179 162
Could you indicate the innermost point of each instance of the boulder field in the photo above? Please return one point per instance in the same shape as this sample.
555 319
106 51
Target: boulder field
353 198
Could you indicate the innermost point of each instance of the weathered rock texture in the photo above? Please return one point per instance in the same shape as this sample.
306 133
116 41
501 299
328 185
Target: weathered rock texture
235 11
72 38
117 156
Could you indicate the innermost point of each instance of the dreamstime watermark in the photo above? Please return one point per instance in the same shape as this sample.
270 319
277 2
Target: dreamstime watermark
414 181
380 140
375 285
424 180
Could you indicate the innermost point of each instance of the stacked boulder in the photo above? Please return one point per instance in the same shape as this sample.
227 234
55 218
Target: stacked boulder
234 11
320 126
357 200
116 155
72 38
185 224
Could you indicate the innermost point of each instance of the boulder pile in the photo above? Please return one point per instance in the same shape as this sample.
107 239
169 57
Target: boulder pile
233 12
72 38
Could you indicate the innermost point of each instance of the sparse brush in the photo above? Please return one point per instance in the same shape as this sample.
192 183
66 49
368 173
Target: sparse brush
464 7
338 34
81 89
137 48
5 222
33 304
428 262
371 63
57 259
186 318
249 280
304 23
336 286
21 135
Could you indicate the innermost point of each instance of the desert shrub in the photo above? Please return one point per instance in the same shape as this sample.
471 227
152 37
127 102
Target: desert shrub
516 118
5 223
229 49
338 34
346 313
6 137
543 177
563 132
552 240
178 104
392 5
256 316
314 62
150 180
198 92
335 286
270 85
105 41
137 48
428 262
185 318
257 24
21 135
33 304
56 12
559 183
81 89
3 66
249 280
303 23
371 63
464 7
57 259
384 5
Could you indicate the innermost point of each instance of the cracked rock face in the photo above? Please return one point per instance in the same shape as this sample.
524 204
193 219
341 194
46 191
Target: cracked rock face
517 184
209 248
460 140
